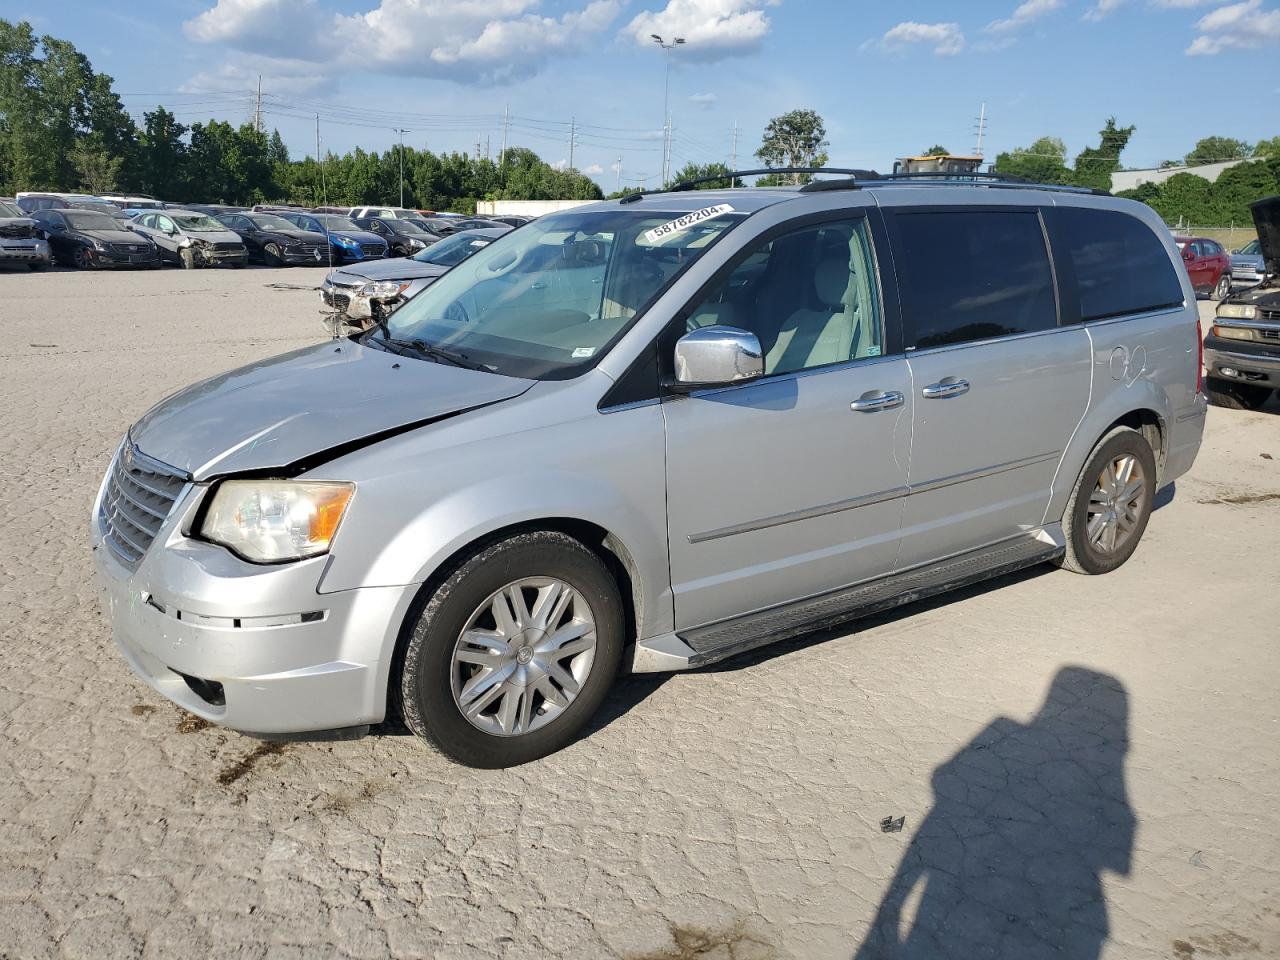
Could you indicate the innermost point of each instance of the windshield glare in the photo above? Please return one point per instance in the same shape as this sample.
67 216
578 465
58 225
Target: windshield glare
452 251
265 221
548 300
9 210
199 224
87 220
337 223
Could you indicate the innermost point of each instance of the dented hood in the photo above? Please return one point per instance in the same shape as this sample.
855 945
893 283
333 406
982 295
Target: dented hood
296 407
1266 216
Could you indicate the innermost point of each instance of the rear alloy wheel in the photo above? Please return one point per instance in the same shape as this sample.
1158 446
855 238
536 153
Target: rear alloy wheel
83 259
1223 288
1111 504
271 254
514 652
1235 396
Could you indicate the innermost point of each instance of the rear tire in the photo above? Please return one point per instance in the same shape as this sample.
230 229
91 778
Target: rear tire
1235 396
1108 510
436 677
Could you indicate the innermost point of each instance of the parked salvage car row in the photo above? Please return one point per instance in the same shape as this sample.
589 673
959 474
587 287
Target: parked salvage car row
90 232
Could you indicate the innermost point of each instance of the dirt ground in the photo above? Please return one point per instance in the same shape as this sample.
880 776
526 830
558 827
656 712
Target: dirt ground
1089 766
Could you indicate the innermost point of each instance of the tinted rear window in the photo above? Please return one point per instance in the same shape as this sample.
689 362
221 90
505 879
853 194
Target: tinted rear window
1120 264
974 274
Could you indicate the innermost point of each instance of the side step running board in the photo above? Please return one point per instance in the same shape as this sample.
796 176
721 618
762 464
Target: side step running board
717 641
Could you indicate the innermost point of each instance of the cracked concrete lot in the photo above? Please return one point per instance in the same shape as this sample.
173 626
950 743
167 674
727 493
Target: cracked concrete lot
1086 767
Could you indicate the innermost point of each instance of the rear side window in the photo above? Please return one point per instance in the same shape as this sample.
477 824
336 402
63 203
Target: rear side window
973 274
1120 264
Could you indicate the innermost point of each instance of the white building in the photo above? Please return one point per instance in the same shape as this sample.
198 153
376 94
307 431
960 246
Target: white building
1129 179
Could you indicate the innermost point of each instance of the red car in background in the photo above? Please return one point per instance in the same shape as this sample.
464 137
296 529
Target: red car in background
1208 264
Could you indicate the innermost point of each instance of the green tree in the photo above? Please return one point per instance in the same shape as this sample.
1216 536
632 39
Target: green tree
1095 165
162 154
795 139
697 171
1217 149
1267 148
1042 162
936 151
98 170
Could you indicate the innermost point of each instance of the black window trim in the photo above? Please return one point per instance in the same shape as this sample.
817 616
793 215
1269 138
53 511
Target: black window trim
1040 210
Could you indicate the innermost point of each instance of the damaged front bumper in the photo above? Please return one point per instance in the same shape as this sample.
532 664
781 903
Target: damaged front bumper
25 250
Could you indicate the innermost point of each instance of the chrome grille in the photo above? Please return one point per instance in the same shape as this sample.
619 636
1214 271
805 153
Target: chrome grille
373 249
129 247
140 494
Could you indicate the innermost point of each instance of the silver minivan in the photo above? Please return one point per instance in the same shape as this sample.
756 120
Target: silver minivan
650 434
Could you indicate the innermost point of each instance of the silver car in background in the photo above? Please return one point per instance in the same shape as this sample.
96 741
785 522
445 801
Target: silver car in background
191 239
650 434
1248 265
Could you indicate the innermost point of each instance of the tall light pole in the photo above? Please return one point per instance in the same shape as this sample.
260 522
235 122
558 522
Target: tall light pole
666 99
402 133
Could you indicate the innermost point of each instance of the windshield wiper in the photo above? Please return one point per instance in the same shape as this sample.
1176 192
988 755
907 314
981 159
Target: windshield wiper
427 350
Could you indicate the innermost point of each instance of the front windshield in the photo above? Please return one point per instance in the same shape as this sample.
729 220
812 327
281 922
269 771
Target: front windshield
408 226
337 223
267 221
453 250
88 220
9 210
548 300
198 223
110 209
1251 248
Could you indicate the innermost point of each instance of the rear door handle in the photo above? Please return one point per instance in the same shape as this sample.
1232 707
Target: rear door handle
877 400
947 387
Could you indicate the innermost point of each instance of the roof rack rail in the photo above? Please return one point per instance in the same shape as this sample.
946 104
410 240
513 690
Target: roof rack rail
769 171
936 178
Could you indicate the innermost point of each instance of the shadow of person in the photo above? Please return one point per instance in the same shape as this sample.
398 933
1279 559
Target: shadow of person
1008 862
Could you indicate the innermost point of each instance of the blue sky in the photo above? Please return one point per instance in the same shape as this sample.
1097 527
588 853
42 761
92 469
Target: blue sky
889 79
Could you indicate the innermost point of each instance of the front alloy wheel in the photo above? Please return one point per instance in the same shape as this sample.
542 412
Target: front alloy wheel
83 258
510 655
1223 288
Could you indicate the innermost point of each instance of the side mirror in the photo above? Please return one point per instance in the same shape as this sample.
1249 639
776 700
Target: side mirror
1188 253
716 356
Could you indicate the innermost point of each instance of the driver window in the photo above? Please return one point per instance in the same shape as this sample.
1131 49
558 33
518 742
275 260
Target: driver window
164 223
810 297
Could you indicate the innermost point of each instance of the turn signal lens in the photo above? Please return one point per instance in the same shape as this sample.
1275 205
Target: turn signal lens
1232 333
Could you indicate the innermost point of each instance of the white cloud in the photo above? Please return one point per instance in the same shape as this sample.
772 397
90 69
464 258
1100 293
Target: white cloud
593 170
704 100
1238 26
712 29
1025 13
490 42
239 74
946 38
1103 9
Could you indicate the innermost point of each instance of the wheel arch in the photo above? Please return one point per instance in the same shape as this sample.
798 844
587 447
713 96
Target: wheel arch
613 553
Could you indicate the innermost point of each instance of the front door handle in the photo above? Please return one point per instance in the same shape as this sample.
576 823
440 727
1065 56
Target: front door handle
877 400
947 387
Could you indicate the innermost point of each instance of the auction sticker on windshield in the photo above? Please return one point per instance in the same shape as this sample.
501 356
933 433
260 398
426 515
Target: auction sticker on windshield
687 221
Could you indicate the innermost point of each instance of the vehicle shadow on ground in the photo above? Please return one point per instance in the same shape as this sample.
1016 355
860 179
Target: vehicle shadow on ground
1026 817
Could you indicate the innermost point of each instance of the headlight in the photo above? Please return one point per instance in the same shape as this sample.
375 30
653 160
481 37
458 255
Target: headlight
414 242
1233 333
290 241
384 289
345 242
270 520
1238 311
98 244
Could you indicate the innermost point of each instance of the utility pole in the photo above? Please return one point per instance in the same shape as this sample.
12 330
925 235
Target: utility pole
317 138
666 103
477 148
733 160
573 137
506 119
982 129
323 192
487 154
257 113
619 187
402 133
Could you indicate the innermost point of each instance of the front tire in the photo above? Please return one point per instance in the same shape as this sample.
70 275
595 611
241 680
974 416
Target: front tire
82 258
1109 508
512 654
1235 396
271 255
1223 289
